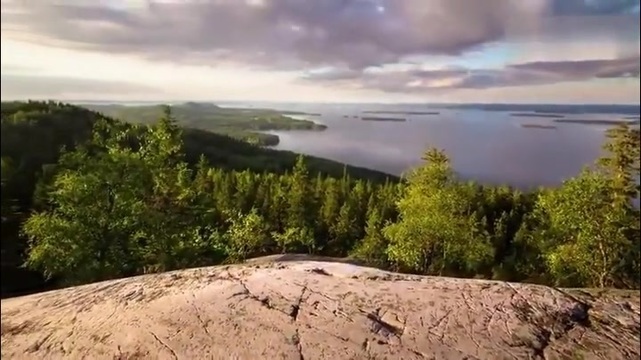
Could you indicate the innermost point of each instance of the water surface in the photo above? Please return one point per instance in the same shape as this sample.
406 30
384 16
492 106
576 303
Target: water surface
488 146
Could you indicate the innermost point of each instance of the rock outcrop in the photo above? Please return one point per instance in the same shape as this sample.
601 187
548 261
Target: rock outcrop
317 310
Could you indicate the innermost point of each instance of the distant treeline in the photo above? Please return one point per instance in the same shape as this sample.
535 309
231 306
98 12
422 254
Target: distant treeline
548 108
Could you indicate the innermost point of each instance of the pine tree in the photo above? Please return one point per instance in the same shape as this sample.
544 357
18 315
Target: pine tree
622 162
299 196
373 248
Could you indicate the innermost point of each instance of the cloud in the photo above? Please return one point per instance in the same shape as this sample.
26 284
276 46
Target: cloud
17 69
523 74
344 42
276 33
16 86
586 69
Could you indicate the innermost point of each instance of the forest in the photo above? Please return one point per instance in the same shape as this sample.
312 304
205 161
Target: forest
86 197
240 123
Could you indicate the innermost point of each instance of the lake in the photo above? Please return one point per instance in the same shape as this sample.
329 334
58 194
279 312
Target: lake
487 146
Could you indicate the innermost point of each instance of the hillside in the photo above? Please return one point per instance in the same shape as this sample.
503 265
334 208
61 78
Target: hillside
239 123
33 134
318 310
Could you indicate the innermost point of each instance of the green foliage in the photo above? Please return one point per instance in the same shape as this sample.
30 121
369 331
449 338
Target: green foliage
622 162
124 199
588 241
247 235
592 227
294 238
34 134
373 248
438 231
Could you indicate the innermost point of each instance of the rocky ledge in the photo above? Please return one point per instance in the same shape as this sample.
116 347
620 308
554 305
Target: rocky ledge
274 309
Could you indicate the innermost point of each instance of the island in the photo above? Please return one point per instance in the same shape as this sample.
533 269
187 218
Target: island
596 122
538 115
403 112
244 124
393 119
302 113
538 126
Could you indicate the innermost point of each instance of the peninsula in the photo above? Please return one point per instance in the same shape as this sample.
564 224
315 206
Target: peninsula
240 123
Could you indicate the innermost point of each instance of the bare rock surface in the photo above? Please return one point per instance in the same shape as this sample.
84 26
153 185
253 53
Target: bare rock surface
293 308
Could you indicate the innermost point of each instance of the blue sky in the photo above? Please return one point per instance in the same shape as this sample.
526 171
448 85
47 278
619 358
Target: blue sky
571 51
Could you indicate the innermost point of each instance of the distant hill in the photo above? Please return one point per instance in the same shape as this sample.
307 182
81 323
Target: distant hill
240 123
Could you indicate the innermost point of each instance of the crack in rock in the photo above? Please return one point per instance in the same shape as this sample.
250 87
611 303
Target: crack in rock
381 327
295 308
203 324
263 301
299 346
163 344
293 314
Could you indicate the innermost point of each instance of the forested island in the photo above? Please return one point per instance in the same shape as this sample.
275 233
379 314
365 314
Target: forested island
86 197
538 126
381 118
402 112
239 123
538 115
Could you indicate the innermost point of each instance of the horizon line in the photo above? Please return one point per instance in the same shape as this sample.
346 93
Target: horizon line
165 101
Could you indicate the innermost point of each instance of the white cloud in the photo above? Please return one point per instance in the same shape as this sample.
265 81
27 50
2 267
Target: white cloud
305 50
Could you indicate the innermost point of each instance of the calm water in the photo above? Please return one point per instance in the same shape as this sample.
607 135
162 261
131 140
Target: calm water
488 146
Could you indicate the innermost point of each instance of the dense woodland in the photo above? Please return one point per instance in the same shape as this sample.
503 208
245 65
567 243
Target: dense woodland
88 198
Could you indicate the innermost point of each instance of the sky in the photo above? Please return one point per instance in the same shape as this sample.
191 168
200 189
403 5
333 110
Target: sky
482 51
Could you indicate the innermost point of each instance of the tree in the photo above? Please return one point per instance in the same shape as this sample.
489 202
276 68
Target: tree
119 207
330 208
621 162
247 234
294 238
438 231
87 236
373 248
586 239
299 197
344 231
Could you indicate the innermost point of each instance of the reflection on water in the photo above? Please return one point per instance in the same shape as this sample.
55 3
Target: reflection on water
487 146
